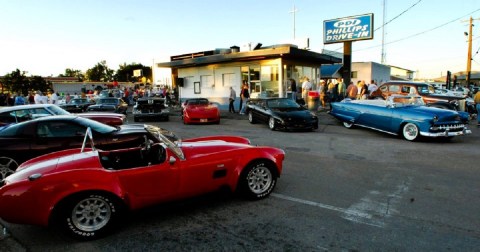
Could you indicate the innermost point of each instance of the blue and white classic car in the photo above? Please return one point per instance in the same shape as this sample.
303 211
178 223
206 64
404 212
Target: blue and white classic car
401 115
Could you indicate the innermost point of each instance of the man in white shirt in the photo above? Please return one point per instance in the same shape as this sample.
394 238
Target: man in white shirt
306 86
53 98
37 97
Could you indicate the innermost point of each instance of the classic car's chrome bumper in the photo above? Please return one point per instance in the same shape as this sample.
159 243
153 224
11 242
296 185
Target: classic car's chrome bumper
447 133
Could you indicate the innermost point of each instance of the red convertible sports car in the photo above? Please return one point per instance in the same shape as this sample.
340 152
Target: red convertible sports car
200 110
86 191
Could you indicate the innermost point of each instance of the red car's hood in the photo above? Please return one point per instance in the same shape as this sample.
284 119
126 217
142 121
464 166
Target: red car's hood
54 162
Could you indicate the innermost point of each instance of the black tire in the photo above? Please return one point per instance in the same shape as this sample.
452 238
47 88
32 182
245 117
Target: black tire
410 132
257 180
7 167
88 216
250 118
272 124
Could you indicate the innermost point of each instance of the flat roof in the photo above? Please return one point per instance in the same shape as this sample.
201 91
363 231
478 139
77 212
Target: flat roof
290 52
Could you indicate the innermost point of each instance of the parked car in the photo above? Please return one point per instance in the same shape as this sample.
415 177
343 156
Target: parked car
281 113
21 113
87 191
401 115
426 91
444 91
200 110
150 108
109 104
23 141
77 105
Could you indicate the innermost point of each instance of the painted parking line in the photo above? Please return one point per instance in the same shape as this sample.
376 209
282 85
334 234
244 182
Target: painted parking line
360 217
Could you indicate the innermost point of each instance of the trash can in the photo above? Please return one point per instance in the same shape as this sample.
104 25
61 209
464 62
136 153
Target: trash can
312 100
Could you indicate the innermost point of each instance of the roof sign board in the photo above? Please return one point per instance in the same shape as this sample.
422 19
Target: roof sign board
348 29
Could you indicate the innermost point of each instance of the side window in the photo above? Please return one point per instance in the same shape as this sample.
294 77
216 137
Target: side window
59 129
405 89
394 88
7 118
39 112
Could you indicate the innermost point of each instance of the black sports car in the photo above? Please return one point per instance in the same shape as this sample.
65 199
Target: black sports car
109 104
23 141
77 105
150 108
281 113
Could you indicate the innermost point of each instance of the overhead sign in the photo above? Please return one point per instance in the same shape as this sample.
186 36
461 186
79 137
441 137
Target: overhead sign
348 29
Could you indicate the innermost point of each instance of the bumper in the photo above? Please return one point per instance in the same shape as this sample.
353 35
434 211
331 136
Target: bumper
151 115
447 133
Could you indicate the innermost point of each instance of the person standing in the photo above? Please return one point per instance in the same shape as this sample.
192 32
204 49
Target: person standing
306 87
245 95
352 91
476 99
19 100
322 90
341 89
240 106
372 87
53 98
38 97
293 88
233 96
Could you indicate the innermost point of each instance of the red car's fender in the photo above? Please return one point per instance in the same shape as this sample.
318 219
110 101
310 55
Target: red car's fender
231 139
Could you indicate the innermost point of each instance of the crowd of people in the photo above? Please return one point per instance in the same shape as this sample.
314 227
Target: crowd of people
33 97
332 91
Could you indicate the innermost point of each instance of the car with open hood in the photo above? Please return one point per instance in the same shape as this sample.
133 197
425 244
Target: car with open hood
86 191
154 108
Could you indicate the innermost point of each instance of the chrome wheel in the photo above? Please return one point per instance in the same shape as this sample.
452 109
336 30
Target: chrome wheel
250 117
410 131
347 125
91 214
259 179
271 123
7 167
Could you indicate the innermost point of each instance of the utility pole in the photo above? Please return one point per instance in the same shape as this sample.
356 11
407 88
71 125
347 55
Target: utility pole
384 57
293 11
469 56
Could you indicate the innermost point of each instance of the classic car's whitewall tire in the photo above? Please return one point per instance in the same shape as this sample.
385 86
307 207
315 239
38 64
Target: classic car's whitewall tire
271 123
410 131
7 167
89 216
250 117
347 125
257 180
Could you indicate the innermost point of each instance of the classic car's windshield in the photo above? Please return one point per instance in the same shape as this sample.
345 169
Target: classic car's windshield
78 101
198 102
281 103
57 110
425 89
167 137
107 101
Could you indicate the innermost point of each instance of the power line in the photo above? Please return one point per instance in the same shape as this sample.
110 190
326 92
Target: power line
421 33
403 12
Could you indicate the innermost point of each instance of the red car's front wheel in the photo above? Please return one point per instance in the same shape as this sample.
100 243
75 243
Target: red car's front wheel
258 180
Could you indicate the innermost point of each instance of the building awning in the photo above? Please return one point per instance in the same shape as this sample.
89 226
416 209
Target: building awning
331 71
288 51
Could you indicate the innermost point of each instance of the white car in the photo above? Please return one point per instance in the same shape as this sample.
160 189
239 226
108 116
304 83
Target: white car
443 91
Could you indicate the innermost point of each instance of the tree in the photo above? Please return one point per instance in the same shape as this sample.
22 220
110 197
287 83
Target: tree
73 73
100 72
125 72
16 81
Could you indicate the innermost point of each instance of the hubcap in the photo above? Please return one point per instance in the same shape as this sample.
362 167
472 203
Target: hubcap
271 123
259 179
91 214
410 131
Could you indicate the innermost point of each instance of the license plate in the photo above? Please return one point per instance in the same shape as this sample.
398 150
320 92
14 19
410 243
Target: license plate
203 120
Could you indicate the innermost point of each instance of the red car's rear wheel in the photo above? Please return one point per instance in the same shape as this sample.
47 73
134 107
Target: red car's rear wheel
89 216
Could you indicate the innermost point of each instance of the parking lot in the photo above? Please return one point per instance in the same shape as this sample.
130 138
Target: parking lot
341 190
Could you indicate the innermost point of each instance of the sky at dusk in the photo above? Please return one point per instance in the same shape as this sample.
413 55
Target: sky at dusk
44 37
